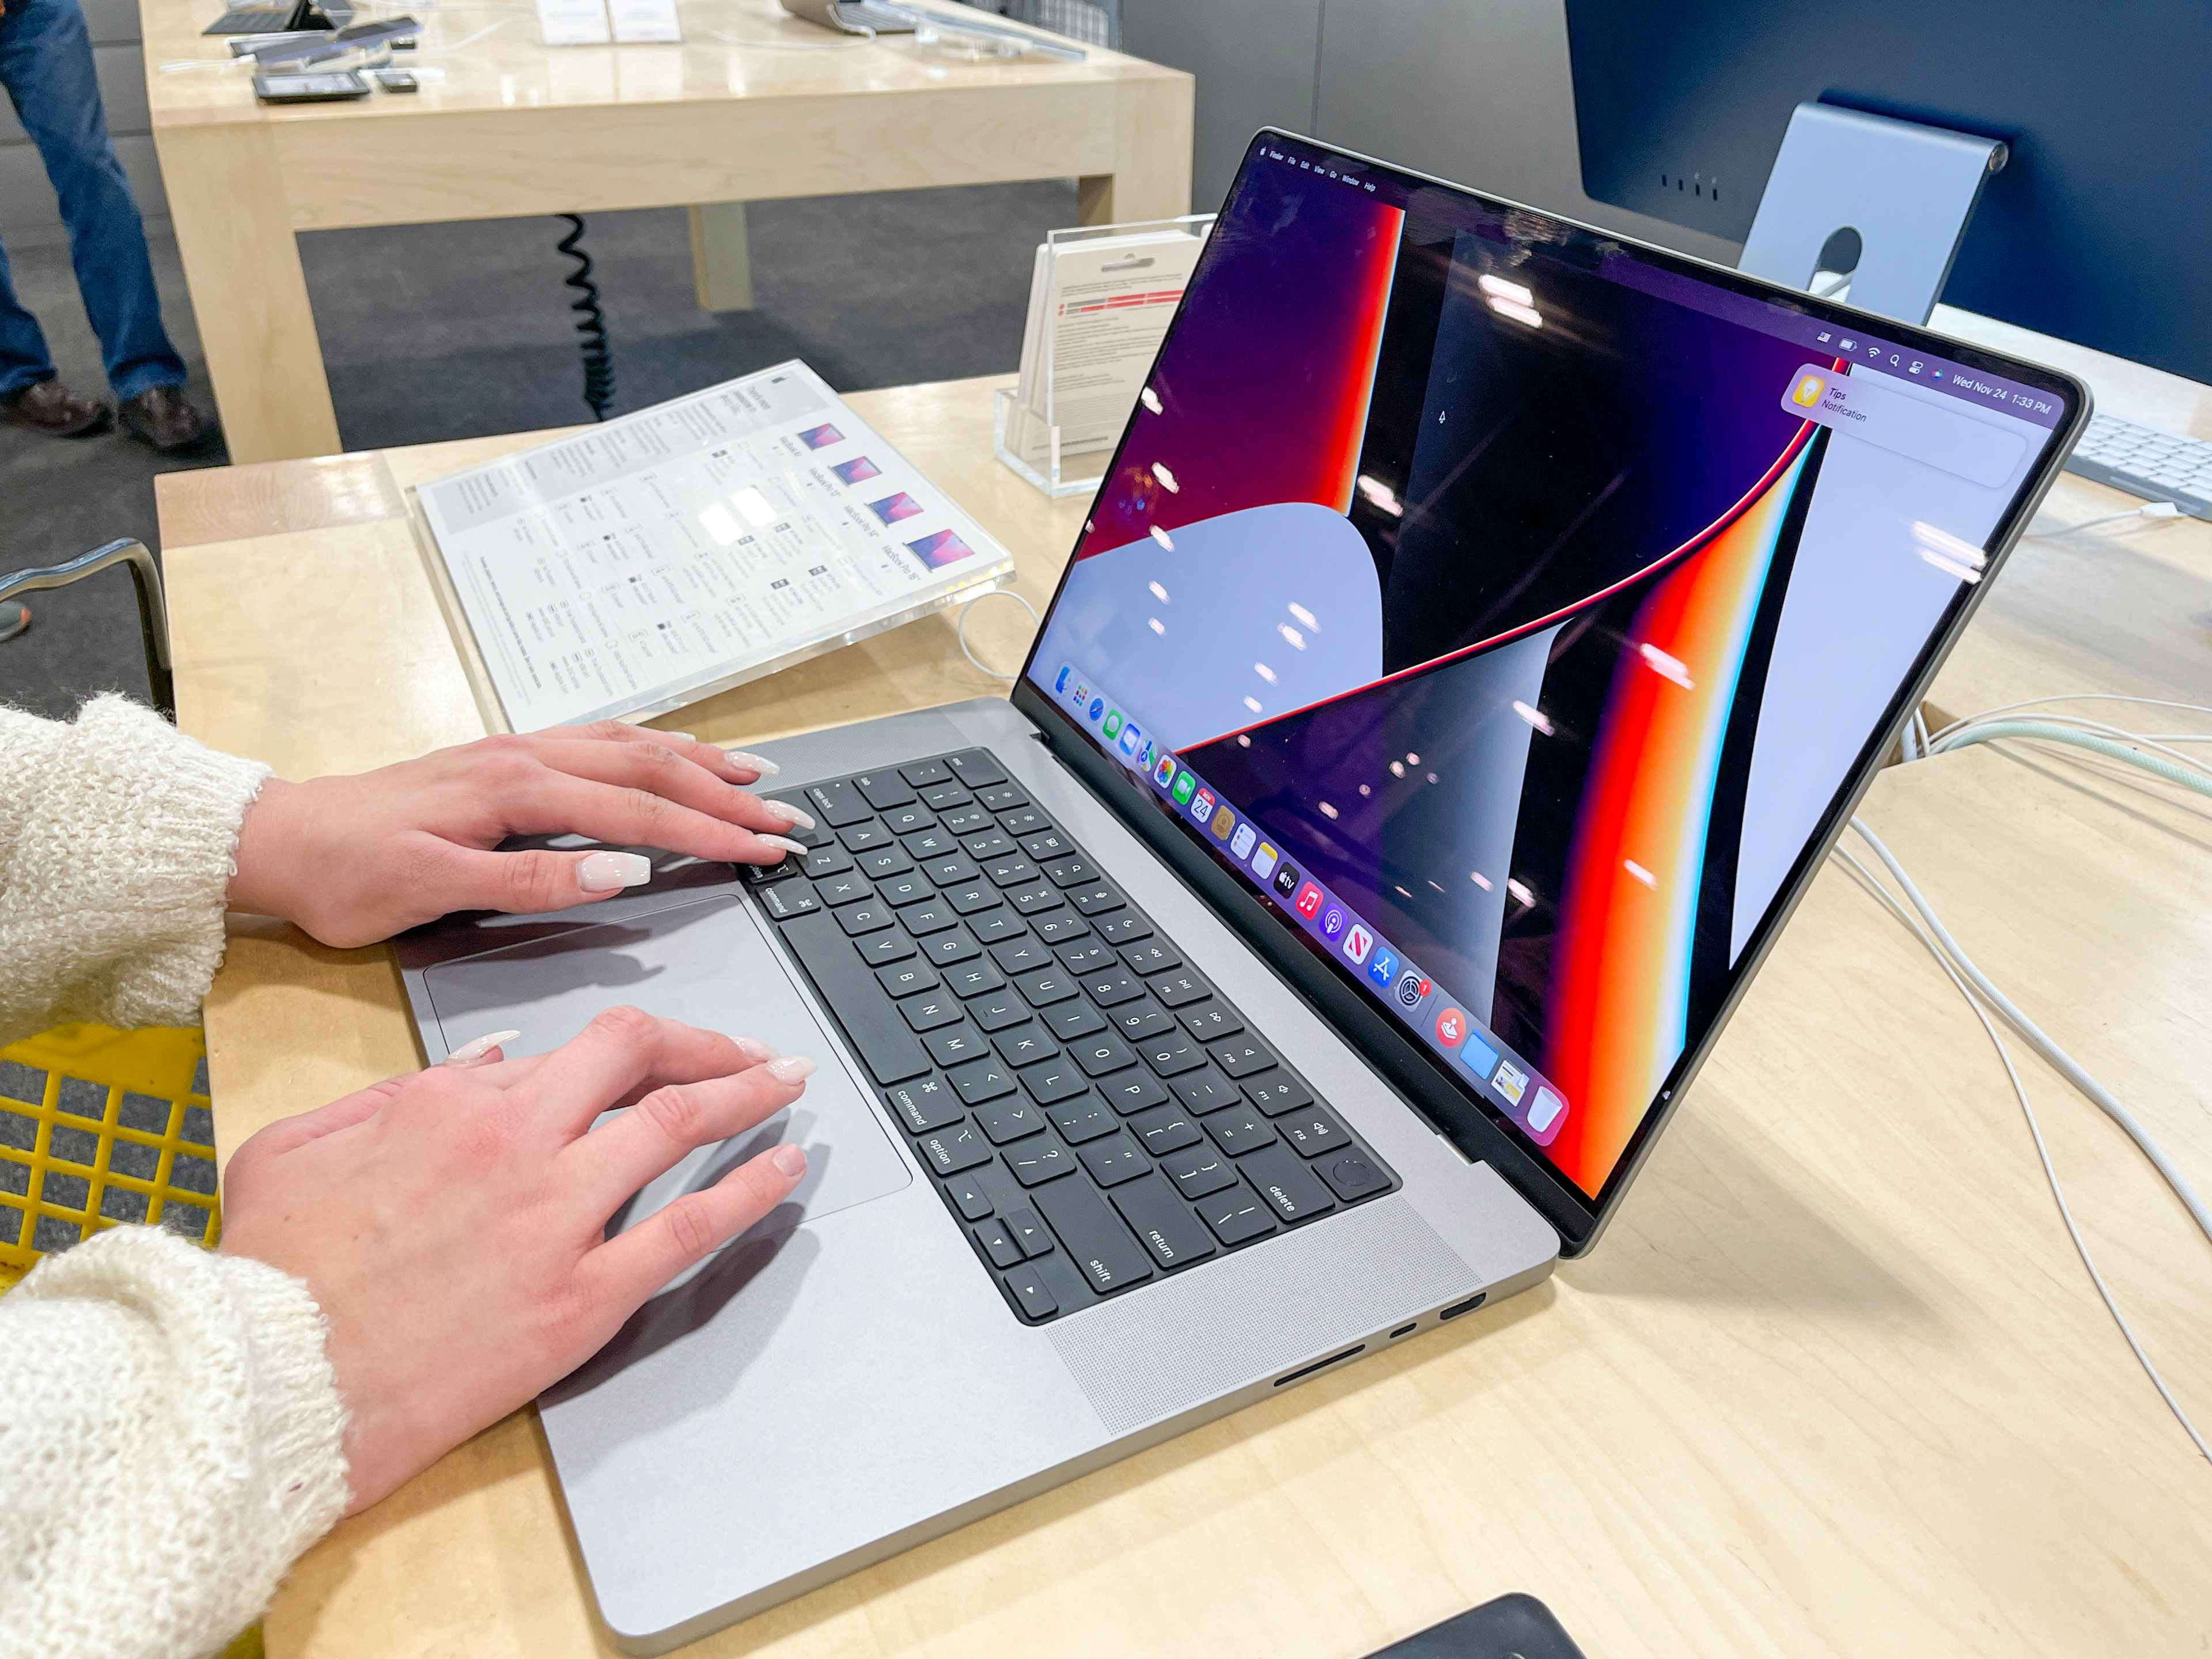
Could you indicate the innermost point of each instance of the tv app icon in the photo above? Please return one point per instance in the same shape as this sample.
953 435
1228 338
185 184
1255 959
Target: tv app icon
1286 880
1357 943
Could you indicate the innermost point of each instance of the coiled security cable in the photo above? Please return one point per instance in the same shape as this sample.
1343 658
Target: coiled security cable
591 322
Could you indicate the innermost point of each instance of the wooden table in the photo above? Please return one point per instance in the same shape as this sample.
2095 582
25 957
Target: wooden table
753 107
1834 1381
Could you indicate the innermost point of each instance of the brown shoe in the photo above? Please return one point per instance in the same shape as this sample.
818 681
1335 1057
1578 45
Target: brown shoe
51 408
161 416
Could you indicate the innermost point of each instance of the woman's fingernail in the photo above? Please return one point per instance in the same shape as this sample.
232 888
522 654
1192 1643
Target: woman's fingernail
754 1049
786 843
789 1161
791 1069
470 1053
788 813
756 763
602 872
685 736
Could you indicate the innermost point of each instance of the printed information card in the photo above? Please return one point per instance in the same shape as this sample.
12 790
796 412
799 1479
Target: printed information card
659 558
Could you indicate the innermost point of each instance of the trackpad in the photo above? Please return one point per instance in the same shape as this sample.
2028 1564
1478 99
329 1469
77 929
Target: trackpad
706 964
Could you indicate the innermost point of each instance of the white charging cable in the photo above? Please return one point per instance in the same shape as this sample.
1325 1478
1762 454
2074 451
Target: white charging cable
965 609
2159 511
1940 944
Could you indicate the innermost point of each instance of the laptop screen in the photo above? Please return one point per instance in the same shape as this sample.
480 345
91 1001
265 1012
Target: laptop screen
1512 611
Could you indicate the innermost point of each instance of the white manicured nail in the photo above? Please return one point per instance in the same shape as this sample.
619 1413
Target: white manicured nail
788 813
470 1053
754 1049
603 872
759 764
791 1069
789 1161
788 844
685 736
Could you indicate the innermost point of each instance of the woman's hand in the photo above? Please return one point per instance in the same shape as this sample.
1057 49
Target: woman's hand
355 860
451 1222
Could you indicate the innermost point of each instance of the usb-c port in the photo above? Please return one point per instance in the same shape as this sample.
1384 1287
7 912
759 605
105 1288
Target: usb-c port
1467 1306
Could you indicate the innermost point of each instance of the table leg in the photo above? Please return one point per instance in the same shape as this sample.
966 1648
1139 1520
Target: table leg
241 260
1152 157
721 257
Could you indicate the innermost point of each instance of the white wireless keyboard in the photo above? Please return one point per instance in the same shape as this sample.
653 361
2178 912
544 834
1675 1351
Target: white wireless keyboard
2147 462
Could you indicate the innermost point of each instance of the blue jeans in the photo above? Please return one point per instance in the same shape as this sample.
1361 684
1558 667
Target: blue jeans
45 63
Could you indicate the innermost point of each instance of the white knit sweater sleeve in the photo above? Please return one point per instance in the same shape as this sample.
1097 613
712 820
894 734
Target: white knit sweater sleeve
170 1439
116 834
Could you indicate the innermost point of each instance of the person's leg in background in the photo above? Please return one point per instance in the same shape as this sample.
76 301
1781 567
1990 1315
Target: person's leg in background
30 396
46 65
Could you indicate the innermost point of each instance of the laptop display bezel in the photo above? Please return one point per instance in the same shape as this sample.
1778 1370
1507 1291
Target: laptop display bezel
1477 1128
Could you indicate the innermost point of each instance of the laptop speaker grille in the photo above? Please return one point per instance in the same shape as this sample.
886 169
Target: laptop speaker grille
1243 1318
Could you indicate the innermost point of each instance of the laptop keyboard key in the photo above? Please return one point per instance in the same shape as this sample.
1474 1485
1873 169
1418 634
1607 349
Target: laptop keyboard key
1062 924
1037 1161
974 896
903 979
1314 1131
862 837
1011 1120
1199 1172
999 1009
1072 1020
1133 1091
908 889
1124 928
1152 957
907 819
1025 821
1002 797
1180 987
943 797
1053 1080
950 1151
1236 1214
926 844
1027 1229
1086 958
1241 1131
954 945
1163 1129
923 774
1171 1053
1140 1020
952 871
1114 1160
1073 871
883 790
1205 1091
1019 956
1035 899
1045 987
990 844
847 889
1014 872
1115 986
924 1105
968 1195
883 862
981 1080
1353 1176
950 1045
791 898
827 861
1277 1094
1210 1020
1025 1045
1095 899
1031 1292
923 919
1103 1056
863 918
1163 1223
930 1010
1283 1180
973 979
839 804
975 768
998 1243
890 1052
1083 1119
967 820
1094 1238
1242 1056
877 949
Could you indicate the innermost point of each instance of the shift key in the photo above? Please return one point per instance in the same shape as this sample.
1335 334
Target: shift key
1097 1241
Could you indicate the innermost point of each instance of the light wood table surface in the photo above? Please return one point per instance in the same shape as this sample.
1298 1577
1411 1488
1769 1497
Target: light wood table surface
1834 1383
754 105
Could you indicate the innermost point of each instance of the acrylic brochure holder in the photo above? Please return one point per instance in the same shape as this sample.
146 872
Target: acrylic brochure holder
1101 295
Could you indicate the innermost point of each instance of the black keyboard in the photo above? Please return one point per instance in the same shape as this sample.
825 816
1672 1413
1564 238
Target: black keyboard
1095 1113
244 22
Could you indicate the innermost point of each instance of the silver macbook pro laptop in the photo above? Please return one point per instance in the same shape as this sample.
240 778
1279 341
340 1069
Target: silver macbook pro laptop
1484 629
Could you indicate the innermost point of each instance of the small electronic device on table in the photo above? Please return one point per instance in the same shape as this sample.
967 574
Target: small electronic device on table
308 87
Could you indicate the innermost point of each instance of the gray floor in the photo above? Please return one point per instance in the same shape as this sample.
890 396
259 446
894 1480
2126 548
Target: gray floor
435 331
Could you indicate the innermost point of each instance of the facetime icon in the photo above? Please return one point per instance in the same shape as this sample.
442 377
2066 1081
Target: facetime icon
1808 390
